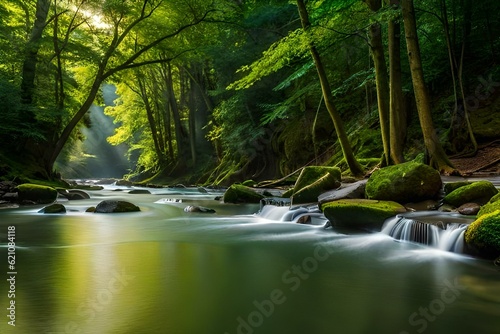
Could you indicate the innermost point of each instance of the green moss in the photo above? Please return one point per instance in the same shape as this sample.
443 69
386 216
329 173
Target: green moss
488 208
54 208
310 193
238 193
311 174
36 193
495 198
483 235
479 192
452 186
249 183
360 213
288 193
406 182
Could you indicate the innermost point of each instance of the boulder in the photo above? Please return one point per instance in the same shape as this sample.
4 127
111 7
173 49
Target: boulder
478 192
451 186
488 208
36 193
110 206
238 193
346 190
360 213
483 235
53 208
406 182
313 181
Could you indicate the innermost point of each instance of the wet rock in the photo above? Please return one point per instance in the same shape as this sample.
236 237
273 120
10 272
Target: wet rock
91 209
478 192
36 193
110 206
238 193
125 183
404 183
346 190
423 206
53 208
360 213
73 194
139 191
195 208
304 220
469 209
483 235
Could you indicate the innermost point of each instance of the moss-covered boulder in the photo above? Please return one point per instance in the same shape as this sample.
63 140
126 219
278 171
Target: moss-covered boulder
109 206
406 182
483 235
488 208
313 181
360 213
238 193
36 193
478 192
495 198
451 186
53 208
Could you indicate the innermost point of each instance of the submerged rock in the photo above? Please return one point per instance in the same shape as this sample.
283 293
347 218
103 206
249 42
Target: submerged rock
73 194
196 208
483 235
478 192
313 181
53 208
109 206
36 193
360 213
238 193
139 191
404 183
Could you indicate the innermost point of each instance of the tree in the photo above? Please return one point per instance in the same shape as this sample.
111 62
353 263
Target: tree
383 97
351 161
437 155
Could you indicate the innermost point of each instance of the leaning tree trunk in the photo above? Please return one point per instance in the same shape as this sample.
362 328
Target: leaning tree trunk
381 80
397 119
437 156
353 164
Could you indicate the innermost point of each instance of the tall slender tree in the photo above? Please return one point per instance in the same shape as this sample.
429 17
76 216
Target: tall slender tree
437 155
351 161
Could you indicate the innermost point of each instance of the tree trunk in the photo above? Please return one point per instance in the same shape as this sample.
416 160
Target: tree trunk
438 158
30 58
351 161
382 83
397 119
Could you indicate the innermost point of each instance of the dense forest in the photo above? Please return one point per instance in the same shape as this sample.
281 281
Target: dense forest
218 91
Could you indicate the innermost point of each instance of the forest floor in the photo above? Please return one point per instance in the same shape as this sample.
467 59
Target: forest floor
485 163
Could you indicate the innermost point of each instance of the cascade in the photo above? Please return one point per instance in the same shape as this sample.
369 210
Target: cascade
445 232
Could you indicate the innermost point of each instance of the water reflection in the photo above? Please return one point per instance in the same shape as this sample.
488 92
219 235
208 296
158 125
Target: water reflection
166 271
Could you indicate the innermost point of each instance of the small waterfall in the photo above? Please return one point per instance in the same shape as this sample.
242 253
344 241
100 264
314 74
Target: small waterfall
303 215
447 236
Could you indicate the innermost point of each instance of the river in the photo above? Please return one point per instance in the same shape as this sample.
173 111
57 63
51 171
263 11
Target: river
162 270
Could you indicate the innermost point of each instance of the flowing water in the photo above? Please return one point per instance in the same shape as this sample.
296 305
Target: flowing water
163 270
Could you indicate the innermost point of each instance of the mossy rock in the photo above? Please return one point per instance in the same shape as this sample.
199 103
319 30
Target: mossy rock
478 192
288 193
360 213
311 174
238 193
53 208
310 193
450 187
488 208
109 206
483 235
404 183
249 183
495 198
36 193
